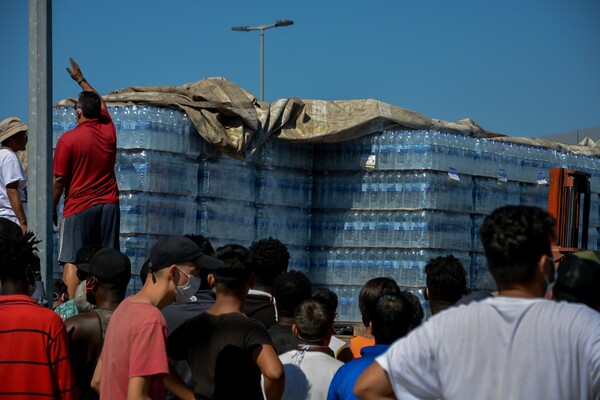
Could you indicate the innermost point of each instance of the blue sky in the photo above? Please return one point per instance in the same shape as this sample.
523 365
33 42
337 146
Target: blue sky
522 68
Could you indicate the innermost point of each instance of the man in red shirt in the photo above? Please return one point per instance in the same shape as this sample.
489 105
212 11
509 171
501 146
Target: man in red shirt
84 170
34 346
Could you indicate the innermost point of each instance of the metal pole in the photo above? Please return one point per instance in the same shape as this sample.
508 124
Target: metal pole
39 148
262 65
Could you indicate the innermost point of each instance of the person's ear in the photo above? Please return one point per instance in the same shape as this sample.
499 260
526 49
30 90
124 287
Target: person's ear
91 283
547 268
426 293
295 329
210 279
174 273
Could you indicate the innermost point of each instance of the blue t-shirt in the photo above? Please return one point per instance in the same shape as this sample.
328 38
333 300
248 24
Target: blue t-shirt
342 385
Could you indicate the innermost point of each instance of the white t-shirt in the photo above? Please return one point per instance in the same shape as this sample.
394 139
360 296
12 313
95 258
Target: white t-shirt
11 171
308 374
500 348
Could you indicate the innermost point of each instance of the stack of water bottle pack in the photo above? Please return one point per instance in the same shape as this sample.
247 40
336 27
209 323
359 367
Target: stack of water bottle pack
425 193
284 197
385 204
381 205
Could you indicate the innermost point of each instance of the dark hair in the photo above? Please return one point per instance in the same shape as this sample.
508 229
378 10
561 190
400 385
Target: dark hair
90 104
272 258
207 249
237 268
59 288
289 290
392 319
514 239
17 255
203 242
446 279
314 320
369 293
329 296
417 308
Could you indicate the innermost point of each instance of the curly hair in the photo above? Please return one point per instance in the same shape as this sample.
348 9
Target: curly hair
271 259
17 254
514 239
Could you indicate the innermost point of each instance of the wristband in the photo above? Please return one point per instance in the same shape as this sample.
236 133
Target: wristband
81 81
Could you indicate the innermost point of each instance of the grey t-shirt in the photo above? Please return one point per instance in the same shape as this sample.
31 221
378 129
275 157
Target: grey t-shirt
500 348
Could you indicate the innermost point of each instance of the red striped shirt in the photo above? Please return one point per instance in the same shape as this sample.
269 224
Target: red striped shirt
34 352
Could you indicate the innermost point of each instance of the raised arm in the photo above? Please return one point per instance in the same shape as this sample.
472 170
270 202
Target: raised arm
77 76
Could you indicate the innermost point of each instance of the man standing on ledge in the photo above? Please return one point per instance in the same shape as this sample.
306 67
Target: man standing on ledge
84 169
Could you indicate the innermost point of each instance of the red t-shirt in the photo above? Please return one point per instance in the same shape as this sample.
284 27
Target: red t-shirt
85 156
34 352
135 345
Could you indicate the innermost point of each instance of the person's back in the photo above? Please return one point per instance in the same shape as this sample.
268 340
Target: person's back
90 149
34 351
108 274
226 350
220 354
394 315
369 293
310 368
516 348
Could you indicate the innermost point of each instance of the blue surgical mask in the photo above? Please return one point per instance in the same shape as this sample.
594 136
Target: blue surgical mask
187 293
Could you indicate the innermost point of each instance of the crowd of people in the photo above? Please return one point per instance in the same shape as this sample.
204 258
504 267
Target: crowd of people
235 323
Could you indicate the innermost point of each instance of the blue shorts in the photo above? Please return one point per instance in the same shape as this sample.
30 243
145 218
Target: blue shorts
98 224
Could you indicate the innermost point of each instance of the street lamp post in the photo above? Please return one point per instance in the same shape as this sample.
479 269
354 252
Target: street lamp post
262 29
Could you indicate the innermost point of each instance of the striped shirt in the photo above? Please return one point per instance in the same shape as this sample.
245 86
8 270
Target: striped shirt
34 352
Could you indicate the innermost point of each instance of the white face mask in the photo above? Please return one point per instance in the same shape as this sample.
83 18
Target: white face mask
187 293
81 301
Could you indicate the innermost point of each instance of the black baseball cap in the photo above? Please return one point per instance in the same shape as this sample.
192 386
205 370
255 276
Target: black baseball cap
178 249
109 265
578 279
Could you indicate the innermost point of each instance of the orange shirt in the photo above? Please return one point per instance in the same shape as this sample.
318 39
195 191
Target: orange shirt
358 342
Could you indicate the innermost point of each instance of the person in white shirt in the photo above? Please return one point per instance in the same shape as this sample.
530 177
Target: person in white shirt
516 345
13 183
310 369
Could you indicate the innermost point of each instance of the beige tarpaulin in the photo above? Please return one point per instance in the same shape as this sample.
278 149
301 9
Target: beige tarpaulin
233 120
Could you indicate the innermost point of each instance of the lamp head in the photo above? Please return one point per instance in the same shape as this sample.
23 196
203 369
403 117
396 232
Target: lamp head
284 22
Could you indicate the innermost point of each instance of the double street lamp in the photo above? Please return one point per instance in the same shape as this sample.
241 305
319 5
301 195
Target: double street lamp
262 29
